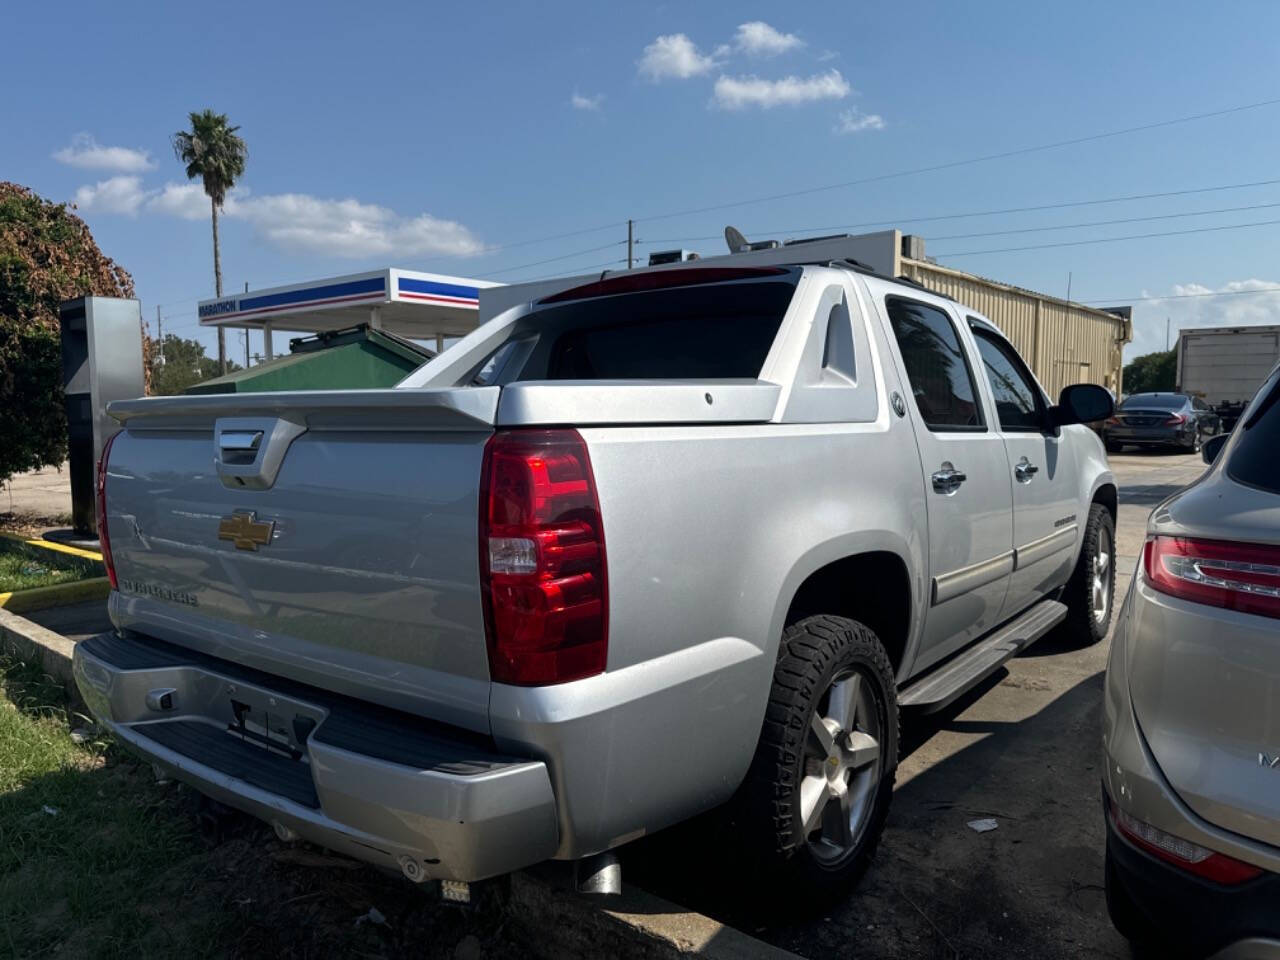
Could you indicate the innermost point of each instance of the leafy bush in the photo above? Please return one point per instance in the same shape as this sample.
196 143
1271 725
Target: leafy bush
47 255
1151 373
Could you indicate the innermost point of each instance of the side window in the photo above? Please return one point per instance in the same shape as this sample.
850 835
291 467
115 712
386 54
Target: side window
1199 404
1018 402
937 368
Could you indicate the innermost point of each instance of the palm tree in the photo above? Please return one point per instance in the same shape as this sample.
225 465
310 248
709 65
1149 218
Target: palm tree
212 151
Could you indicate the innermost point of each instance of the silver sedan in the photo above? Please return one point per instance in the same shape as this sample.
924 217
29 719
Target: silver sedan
1191 727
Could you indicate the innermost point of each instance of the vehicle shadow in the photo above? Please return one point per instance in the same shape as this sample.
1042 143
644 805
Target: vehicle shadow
937 888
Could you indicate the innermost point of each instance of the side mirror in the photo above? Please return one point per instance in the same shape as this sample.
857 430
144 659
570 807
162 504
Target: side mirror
1213 446
1082 403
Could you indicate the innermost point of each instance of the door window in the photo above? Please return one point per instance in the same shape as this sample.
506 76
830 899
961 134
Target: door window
937 367
1019 405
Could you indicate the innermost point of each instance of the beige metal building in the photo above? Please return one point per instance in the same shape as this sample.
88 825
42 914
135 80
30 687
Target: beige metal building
1063 342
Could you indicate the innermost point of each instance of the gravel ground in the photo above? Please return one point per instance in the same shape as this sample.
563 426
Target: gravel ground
1023 748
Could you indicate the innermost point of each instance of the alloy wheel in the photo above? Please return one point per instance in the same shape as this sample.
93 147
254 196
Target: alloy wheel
841 768
1101 576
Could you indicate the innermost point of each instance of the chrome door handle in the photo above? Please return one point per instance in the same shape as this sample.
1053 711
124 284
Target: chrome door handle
947 479
1025 470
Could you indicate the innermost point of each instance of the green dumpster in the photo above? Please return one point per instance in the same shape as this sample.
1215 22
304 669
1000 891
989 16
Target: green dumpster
352 359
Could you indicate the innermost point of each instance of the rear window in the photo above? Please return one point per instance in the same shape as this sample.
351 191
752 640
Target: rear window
1254 459
1148 402
712 331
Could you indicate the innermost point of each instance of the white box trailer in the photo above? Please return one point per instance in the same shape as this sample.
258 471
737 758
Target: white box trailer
1224 366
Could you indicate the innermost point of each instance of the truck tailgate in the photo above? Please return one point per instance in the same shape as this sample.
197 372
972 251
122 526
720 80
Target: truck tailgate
330 537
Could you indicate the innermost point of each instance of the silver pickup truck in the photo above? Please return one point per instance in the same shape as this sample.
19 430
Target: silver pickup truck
678 539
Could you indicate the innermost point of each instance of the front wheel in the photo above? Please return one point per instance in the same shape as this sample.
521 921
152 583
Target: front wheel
816 797
1089 592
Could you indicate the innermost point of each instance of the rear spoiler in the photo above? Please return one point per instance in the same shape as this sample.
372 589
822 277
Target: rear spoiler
469 408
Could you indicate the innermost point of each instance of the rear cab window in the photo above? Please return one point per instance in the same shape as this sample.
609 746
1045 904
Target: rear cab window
1255 458
704 331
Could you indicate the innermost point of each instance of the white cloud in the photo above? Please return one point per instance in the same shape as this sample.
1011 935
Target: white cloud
674 56
826 55
115 195
186 200
758 39
296 222
737 93
855 121
302 223
87 154
1184 309
586 103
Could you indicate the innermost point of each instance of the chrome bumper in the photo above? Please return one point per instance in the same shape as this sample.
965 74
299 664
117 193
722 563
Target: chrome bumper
380 786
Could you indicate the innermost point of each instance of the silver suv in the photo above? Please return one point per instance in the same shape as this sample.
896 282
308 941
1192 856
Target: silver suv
1192 715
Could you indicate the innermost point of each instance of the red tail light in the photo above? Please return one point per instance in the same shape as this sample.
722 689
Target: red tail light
542 559
1191 857
1175 419
1236 576
104 541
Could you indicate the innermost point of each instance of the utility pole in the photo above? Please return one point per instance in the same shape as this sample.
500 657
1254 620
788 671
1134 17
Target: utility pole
1068 286
630 242
160 334
1166 334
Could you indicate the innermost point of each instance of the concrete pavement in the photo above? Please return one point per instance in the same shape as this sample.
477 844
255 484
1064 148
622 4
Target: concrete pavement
42 494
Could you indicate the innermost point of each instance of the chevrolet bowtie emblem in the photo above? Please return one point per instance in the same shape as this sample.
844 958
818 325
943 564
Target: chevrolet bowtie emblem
245 530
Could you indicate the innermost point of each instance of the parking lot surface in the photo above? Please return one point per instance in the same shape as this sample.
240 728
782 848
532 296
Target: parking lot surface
1023 749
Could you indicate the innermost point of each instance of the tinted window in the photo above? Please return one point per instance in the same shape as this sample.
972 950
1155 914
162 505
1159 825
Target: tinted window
1017 399
1254 460
1199 404
1152 401
936 366
693 333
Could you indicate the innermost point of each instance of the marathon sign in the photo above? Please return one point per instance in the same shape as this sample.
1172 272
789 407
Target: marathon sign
217 308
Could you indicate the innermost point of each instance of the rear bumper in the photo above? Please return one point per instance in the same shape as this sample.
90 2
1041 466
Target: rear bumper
377 785
1145 435
1202 919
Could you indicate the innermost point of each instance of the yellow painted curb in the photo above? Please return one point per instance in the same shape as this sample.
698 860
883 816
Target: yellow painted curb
58 595
51 545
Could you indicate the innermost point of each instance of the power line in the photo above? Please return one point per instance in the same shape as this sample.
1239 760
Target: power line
1184 296
1135 236
987 213
567 256
952 164
1105 223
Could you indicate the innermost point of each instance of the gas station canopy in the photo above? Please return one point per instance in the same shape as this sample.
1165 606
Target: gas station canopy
420 306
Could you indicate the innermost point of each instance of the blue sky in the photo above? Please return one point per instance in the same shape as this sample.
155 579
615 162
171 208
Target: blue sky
429 136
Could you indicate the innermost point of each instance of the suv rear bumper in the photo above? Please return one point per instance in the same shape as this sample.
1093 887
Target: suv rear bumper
381 786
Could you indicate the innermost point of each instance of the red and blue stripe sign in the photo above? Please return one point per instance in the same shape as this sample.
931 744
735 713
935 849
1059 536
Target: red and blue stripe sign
351 291
412 288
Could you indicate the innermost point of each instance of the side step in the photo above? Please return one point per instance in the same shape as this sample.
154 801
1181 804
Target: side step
953 677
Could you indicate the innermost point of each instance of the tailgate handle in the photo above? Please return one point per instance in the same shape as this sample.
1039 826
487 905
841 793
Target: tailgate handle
248 451
240 441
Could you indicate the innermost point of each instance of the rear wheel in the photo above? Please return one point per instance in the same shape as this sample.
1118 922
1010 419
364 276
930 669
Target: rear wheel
1113 447
1090 591
818 791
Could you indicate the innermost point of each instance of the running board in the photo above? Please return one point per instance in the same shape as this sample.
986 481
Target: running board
945 683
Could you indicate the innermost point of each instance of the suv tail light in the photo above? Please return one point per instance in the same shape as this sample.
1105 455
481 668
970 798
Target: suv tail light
542 559
104 541
1236 576
1191 857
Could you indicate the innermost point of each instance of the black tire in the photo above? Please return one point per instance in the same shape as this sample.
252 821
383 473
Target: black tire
1113 447
1195 443
814 653
1084 626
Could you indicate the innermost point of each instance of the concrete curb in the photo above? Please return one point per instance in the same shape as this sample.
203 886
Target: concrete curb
635 924
58 595
32 643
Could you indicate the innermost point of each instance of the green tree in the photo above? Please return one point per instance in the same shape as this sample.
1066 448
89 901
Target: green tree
47 255
180 364
214 153
1151 372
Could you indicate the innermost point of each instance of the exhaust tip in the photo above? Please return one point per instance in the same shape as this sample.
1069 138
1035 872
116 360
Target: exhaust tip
600 874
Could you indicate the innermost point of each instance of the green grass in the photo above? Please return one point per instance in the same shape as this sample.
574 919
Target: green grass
23 567
120 869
